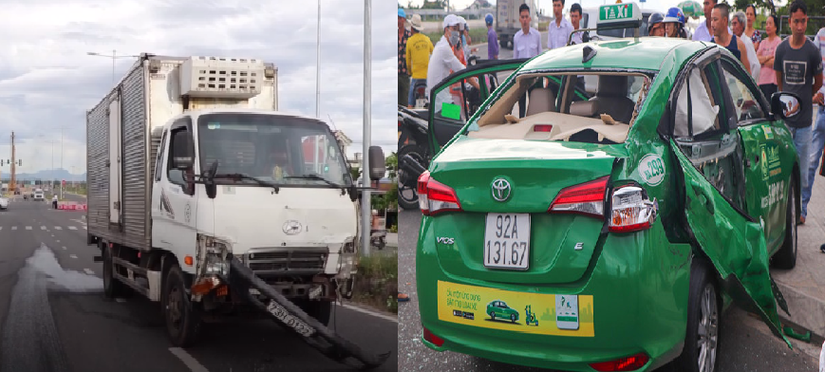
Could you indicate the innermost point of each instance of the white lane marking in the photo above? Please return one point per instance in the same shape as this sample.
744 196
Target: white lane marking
64 247
369 312
73 255
72 228
57 241
28 227
84 228
43 228
187 359
14 227
89 271
58 228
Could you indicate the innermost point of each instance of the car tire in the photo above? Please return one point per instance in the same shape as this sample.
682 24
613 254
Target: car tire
785 257
492 315
512 318
704 311
182 317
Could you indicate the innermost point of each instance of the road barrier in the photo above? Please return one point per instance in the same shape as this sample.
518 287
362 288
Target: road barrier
71 206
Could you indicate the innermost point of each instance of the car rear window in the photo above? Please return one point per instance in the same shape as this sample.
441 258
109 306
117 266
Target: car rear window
586 106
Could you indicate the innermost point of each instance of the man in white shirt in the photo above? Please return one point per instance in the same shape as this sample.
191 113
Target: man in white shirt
527 43
575 20
737 24
559 29
703 32
443 61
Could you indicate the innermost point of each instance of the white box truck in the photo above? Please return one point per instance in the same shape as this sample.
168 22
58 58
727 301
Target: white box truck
507 19
202 196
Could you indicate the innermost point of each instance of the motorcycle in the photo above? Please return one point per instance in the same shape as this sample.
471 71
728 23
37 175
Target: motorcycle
378 238
420 95
412 141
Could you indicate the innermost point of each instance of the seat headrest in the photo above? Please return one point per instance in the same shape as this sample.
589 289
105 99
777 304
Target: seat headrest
541 100
583 108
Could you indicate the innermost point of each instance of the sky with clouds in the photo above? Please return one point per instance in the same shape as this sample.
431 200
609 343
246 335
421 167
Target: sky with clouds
47 80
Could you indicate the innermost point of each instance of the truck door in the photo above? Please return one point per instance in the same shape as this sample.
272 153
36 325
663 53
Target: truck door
175 209
114 160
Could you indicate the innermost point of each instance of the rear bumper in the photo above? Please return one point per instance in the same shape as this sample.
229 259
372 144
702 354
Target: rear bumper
639 286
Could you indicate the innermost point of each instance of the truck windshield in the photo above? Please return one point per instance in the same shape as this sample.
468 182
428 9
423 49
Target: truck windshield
283 150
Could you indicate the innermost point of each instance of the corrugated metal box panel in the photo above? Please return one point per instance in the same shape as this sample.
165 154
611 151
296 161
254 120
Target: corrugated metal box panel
134 231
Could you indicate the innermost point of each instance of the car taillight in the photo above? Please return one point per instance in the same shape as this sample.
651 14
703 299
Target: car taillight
630 363
631 210
435 340
542 128
435 197
586 198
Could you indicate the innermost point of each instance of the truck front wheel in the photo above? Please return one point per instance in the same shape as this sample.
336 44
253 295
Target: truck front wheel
181 315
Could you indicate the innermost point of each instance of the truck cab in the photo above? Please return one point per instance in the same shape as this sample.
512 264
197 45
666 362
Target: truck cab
273 190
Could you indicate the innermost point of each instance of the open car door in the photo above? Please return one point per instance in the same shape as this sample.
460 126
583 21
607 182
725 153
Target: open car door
733 242
455 99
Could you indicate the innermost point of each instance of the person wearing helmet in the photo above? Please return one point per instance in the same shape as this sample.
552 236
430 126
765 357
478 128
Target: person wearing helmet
655 26
675 23
492 38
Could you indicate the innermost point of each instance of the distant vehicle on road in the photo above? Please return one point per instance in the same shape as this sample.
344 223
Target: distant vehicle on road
4 203
38 195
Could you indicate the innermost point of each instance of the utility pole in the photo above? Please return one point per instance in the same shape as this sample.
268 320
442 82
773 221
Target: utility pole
13 183
366 203
61 160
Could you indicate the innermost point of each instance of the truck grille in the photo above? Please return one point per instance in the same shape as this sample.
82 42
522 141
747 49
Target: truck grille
275 261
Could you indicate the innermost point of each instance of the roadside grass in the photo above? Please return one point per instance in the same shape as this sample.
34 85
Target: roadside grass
376 284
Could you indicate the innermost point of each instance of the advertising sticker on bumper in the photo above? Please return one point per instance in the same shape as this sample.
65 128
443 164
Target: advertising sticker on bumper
536 313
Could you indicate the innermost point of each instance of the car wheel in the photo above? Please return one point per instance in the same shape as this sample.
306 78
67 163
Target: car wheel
785 257
513 318
702 334
493 315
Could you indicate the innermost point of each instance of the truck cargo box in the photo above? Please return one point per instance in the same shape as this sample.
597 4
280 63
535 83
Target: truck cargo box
123 131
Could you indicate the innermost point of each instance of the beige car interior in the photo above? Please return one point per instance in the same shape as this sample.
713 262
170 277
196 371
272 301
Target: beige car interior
609 113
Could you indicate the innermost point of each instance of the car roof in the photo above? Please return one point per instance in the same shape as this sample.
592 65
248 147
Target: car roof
645 53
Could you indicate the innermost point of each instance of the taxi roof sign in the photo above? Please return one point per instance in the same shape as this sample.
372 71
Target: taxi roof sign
627 15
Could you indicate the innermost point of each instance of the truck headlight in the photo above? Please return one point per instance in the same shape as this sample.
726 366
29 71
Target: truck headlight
213 254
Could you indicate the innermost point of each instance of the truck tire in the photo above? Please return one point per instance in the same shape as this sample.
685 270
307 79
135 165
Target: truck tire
112 287
183 319
320 310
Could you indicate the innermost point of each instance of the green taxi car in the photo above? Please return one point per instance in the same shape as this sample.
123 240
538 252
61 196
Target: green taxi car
627 220
502 311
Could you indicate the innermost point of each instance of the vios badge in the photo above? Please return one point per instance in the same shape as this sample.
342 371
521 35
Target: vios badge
501 189
292 227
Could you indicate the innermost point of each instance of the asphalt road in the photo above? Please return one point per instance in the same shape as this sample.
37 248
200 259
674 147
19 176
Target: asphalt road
746 343
55 318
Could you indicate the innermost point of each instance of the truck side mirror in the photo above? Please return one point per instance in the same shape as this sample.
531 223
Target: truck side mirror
378 164
183 154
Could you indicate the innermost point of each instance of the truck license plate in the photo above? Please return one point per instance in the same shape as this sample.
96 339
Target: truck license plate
507 241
